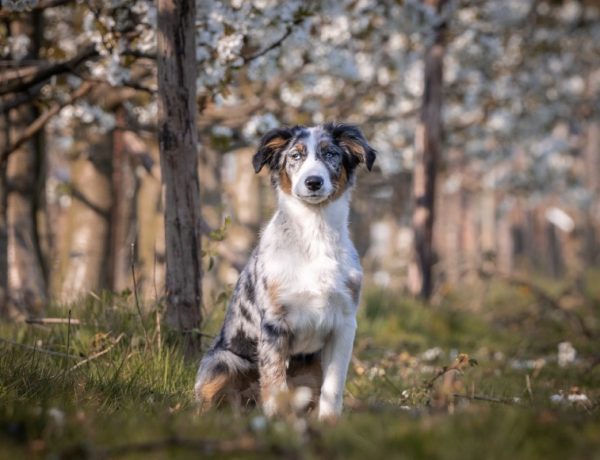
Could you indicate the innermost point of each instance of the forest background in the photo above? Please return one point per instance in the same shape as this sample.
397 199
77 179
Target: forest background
483 203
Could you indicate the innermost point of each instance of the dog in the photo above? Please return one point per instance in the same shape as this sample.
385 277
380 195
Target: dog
291 320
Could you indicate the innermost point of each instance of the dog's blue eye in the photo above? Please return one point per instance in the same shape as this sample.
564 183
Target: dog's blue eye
328 155
296 156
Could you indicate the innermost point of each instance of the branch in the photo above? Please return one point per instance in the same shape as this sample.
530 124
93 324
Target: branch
97 355
275 44
41 121
20 99
48 72
461 362
506 401
41 5
73 322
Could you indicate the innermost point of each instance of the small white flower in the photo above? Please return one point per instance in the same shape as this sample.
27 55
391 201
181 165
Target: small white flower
566 354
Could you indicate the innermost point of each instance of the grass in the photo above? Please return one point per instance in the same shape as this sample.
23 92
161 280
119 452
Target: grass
472 376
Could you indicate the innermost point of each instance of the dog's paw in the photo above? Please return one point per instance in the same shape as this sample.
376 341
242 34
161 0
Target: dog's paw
270 407
328 412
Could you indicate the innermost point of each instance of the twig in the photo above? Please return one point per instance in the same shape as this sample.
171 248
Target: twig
137 301
41 350
508 402
156 304
41 121
97 355
461 361
528 386
74 322
275 44
68 334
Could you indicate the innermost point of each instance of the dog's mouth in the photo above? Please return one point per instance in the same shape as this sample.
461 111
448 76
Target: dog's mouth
313 198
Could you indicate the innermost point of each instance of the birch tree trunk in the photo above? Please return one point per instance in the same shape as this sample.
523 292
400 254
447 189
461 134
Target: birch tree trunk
428 149
85 237
4 307
176 63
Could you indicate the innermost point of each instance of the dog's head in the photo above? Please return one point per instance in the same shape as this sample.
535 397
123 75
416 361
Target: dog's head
316 165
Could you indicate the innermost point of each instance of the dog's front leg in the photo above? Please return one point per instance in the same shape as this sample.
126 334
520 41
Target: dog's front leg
273 354
335 359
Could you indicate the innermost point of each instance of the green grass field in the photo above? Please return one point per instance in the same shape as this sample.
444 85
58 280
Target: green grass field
474 375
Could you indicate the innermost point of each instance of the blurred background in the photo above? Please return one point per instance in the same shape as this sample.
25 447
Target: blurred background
518 137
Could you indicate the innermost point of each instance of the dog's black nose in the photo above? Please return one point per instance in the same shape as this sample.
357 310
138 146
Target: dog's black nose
313 183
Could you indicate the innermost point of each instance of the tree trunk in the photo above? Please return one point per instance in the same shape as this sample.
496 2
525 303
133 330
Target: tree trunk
26 278
124 190
176 63
428 149
25 275
4 306
84 257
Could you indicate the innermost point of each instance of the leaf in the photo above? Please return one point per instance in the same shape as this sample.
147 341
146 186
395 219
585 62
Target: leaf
221 233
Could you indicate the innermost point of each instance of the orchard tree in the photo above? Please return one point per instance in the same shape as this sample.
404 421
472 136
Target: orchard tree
176 64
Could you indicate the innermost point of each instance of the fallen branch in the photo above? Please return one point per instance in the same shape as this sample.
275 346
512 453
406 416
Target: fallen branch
508 402
41 121
461 362
74 322
40 350
97 355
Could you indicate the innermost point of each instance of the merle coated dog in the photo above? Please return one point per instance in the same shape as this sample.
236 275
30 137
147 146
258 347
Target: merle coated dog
292 318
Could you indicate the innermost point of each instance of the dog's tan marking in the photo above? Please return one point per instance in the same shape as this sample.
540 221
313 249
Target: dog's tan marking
212 390
285 184
354 147
277 143
273 293
339 188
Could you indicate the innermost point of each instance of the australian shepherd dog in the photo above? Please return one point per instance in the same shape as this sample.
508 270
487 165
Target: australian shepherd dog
292 317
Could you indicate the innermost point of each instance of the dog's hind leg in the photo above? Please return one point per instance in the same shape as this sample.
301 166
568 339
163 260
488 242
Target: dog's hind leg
218 378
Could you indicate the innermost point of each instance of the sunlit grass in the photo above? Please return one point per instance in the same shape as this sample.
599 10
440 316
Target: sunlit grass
139 391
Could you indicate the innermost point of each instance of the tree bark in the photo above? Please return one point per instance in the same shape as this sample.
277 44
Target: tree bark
25 275
4 140
428 150
176 63
124 191
84 258
26 278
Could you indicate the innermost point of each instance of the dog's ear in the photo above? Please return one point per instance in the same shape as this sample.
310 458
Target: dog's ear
352 140
271 145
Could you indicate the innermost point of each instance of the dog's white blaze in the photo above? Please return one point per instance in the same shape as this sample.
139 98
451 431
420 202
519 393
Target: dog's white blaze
312 166
312 272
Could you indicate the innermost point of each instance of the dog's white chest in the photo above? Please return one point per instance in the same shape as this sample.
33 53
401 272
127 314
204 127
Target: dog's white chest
312 287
